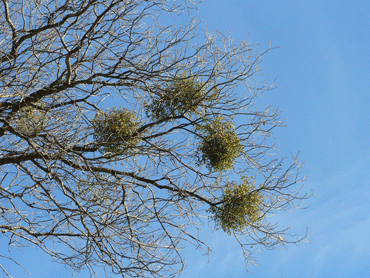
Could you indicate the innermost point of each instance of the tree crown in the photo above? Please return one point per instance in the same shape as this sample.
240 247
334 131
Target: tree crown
118 131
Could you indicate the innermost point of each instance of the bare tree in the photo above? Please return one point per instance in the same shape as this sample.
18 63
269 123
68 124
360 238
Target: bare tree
120 137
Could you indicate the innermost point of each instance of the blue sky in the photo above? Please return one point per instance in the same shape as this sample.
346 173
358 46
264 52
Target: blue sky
322 69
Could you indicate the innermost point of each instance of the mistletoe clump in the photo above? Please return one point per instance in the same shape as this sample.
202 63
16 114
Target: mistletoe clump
220 145
241 205
116 130
186 95
32 120
94 189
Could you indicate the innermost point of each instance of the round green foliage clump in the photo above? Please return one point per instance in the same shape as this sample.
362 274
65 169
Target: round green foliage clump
116 130
241 205
186 95
31 121
93 189
220 145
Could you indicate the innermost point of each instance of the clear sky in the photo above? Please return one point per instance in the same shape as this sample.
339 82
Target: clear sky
322 69
323 66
